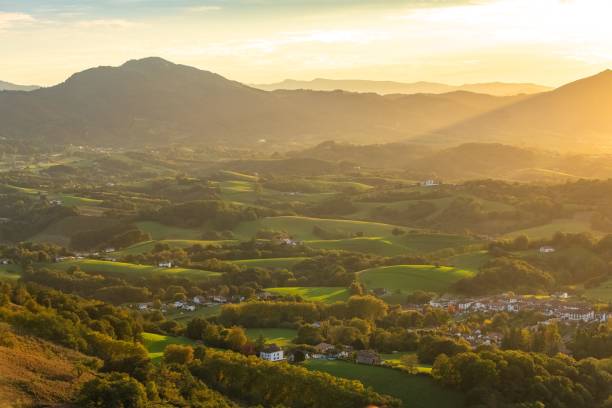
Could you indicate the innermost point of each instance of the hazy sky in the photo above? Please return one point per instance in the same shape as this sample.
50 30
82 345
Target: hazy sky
453 41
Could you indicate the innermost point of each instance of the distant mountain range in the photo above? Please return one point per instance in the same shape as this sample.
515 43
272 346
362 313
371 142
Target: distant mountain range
155 102
7 86
390 87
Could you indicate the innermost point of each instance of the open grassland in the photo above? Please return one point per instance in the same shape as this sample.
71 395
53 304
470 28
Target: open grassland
157 343
567 225
415 391
10 272
601 293
404 279
280 337
314 294
160 231
302 227
123 268
203 312
395 359
273 263
471 261
368 245
147 246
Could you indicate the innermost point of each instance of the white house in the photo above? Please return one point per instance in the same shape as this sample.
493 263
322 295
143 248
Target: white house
430 183
165 264
546 249
272 353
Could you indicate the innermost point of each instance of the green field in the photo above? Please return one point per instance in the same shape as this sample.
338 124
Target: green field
156 344
314 294
273 263
416 391
568 225
160 231
602 292
301 227
280 337
369 245
147 246
122 268
404 279
471 261
201 312
10 272
395 359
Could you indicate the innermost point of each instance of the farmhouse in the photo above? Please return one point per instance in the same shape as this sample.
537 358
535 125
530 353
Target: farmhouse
367 357
546 249
272 353
165 264
430 183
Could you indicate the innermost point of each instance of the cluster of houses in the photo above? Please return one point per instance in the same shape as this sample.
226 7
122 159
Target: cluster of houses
187 305
556 306
322 351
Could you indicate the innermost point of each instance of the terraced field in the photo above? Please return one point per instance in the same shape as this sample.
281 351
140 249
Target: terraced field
314 294
404 279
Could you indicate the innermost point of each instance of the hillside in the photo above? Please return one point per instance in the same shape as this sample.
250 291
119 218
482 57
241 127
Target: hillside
36 372
153 101
7 86
391 87
574 116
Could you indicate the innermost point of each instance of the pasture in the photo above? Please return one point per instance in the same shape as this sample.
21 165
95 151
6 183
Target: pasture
404 279
160 231
601 293
147 246
314 294
157 343
123 268
272 263
415 391
280 337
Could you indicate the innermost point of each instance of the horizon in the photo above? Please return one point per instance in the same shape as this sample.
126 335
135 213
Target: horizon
549 43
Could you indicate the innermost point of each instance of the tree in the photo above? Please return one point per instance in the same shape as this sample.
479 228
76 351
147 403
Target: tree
366 307
178 354
116 390
236 338
410 362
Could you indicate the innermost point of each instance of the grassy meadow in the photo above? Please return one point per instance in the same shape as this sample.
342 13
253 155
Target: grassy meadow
280 337
314 294
404 279
415 391
157 343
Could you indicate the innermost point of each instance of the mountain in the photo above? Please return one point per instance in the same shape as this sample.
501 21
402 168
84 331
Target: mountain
153 101
575 116
7 86
390 87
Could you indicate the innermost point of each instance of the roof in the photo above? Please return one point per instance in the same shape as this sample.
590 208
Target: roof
272 348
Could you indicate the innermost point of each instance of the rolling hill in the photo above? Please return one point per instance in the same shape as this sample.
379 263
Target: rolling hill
7 86
144 102
391 87
575 116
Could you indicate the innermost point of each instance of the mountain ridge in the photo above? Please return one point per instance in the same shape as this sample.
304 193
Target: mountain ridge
392 87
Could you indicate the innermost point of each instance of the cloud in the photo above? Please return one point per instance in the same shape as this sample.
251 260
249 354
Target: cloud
203 9
106 23
8 20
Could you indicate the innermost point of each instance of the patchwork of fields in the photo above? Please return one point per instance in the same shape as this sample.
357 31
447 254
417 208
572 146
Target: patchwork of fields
314 294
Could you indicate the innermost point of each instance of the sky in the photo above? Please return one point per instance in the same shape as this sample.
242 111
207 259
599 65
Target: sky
550 42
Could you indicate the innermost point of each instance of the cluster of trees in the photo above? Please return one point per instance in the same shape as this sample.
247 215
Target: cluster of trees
218 214
94 328
520 379
261 382
119 235
592 341
545 339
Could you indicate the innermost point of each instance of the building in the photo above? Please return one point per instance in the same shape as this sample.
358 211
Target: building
546 249
367 357
272 353
165 264
429 183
